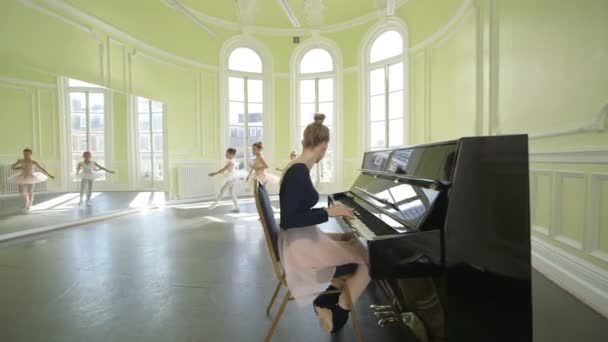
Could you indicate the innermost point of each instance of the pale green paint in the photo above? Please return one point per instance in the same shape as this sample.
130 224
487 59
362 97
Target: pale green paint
572 208
425 17
541 204
418 98
603 219
453 84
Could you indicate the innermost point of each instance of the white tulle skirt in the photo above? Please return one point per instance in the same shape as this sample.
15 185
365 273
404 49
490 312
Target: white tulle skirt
90 175
22 179
235 176
309 257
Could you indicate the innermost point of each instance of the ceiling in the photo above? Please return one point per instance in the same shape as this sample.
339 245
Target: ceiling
280 14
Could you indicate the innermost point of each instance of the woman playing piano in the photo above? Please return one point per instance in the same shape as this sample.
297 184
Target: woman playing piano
309 255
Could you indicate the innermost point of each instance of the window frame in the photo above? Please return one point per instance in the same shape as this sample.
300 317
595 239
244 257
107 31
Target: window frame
69 182
365 67
336 75
137 182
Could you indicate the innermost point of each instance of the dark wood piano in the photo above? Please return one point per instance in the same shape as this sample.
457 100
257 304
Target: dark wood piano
451 219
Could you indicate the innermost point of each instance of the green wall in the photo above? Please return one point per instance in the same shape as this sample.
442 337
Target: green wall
537 67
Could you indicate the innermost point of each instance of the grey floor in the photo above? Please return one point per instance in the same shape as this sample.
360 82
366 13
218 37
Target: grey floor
185 273
51 209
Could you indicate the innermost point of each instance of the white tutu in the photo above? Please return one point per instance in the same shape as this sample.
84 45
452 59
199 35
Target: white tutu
90 175
34 178
235 175
309 257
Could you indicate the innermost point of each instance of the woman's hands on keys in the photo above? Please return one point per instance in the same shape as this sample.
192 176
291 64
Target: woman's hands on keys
340 211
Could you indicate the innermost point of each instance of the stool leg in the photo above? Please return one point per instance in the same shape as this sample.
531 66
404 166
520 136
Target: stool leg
274 296
276 319
353 313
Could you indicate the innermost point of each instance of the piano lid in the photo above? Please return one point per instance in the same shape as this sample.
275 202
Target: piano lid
432 161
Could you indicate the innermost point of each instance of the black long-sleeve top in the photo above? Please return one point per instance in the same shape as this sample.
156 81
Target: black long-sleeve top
297 197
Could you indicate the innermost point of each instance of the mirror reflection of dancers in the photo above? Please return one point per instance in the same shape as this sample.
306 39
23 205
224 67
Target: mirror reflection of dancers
28 177
292 155
309 255
258 167
90 171
231 175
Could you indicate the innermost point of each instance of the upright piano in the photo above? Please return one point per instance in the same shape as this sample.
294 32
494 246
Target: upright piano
451 218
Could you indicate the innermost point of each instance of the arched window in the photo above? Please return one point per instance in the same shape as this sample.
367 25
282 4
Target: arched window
386 91
245 102
316 93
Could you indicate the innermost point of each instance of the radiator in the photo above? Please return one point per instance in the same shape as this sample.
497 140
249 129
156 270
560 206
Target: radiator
6 187
193 180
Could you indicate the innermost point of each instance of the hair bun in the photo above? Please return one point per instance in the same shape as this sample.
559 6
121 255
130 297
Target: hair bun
319 118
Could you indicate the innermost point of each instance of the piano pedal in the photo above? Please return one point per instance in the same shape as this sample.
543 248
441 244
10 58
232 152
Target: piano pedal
380 307
384 321
385 314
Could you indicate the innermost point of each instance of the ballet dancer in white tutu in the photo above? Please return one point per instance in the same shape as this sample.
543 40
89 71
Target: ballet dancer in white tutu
88 170
28 177
258 167
231 176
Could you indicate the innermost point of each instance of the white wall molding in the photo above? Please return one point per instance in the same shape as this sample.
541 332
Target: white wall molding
21 82
593 231
595 125
188 14
581 156
461 13
289 13
556 221
582 279
534 174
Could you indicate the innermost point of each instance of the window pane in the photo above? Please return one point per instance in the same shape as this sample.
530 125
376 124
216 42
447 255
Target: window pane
236 89
326 89
326 167
376 82
157 107
143 122
377 110
144 143
307 112
97 124
97 143
145 166
157 122
316 60
78 102
388 44
256 133
158 143
327 108
395 132
378 134
79 143
143 105
255 115
236 112
395 105
237 139
255 91
159 174
79 124
96 103
395 77
307 91
245 59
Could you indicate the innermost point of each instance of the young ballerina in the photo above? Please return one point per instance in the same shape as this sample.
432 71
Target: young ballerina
28 177
308 255
90 171
230 173
258 167
292 155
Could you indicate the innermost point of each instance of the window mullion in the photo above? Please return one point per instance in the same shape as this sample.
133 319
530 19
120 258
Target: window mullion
151 142
87 121
246 119
386 104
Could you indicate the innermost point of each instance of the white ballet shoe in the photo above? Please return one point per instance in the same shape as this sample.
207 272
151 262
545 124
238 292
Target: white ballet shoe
213 206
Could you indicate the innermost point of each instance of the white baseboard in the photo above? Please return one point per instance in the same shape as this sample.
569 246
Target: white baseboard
582 279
